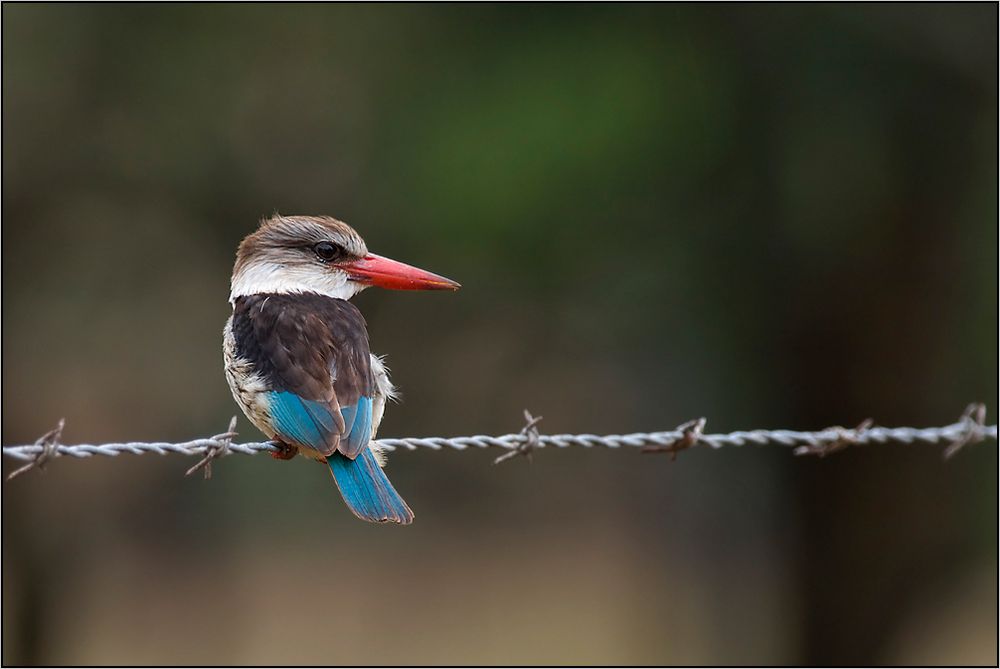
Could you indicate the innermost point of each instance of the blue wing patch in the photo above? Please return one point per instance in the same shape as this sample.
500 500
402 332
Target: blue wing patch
305 422
310 423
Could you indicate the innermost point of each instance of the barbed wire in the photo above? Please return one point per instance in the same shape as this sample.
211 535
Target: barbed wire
970 428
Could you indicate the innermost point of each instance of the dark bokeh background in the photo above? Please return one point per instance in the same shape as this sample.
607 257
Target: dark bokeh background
770 216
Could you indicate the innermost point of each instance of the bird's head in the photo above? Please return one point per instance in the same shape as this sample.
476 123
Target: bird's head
319 254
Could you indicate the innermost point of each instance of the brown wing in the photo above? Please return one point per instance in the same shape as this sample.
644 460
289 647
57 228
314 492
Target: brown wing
313 353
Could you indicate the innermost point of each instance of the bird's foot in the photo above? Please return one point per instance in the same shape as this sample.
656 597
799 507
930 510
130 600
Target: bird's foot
284 451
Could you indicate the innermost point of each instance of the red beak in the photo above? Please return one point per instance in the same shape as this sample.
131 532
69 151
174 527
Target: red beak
385 273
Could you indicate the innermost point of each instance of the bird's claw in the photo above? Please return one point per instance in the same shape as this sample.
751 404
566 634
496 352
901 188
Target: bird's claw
282 450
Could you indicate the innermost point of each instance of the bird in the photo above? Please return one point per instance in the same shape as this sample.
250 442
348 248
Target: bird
297 356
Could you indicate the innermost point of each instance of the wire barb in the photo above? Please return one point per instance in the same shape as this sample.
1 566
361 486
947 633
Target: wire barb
844 438
214 451
973 421
49 443
530 435
691 432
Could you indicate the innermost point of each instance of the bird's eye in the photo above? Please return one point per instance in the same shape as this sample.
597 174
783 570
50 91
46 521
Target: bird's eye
326 251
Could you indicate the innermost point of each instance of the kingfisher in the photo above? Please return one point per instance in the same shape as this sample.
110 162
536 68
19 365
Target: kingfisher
297 357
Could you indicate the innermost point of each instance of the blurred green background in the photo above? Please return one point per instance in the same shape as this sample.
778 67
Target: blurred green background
772 216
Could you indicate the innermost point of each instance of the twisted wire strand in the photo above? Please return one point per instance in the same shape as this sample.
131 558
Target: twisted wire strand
818 442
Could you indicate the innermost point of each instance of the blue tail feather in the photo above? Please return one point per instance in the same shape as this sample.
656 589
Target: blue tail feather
367 490
358 427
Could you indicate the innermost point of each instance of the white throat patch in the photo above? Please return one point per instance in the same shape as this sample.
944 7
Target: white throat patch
267 277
